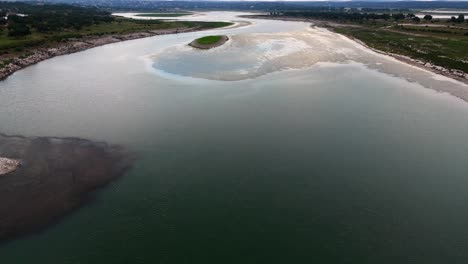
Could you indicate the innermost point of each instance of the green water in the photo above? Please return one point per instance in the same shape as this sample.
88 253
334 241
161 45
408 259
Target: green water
330 164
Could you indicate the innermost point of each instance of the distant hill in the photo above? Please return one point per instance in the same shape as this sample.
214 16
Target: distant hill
261 5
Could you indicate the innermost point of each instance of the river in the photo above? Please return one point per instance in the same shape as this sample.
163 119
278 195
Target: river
288 144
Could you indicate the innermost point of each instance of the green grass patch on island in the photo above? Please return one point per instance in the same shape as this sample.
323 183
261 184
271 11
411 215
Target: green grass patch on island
209 40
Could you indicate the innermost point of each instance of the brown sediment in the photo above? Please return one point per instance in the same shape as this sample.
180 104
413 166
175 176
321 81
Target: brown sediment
450 73
75 45
220 42
55 176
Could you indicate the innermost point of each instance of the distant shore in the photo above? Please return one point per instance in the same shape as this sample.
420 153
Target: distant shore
39 54
450 73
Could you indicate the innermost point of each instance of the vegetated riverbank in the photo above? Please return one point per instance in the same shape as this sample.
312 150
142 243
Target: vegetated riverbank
98 35
55 176
209 42
439 51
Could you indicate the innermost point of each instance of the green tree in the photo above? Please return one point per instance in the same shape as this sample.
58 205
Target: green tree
428 17
398 16
461 19
18 30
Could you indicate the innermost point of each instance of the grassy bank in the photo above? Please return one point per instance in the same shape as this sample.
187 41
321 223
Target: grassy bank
15 45
26 25
444 46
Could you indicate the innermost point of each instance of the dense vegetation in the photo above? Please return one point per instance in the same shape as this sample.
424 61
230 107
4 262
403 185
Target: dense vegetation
30 25
22 19
354 16
118 26
341 15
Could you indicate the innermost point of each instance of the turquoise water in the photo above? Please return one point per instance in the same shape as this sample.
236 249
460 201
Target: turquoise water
332 163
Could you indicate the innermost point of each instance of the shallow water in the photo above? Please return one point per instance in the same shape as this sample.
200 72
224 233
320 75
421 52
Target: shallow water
342 156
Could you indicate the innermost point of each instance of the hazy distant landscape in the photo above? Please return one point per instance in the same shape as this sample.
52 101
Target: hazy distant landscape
233 132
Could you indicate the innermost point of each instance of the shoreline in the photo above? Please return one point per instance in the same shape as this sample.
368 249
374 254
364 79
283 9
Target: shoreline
449 73
456 75
39 53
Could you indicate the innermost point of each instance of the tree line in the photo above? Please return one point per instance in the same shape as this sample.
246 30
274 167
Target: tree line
21 18
358 16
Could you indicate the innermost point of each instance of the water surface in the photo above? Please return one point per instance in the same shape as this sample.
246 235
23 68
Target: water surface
337 156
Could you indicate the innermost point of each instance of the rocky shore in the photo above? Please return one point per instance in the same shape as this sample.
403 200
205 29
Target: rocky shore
39 54
56 175
8 165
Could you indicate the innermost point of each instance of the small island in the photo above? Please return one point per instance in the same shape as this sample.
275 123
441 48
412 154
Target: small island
209 42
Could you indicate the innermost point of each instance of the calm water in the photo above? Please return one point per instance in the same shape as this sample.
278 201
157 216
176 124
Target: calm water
349 159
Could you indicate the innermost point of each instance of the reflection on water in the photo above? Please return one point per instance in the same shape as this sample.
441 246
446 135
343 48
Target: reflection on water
243 57
335 160
254 54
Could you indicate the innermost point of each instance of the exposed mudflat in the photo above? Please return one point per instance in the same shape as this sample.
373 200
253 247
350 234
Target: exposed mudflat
54 177
250 55
450 73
